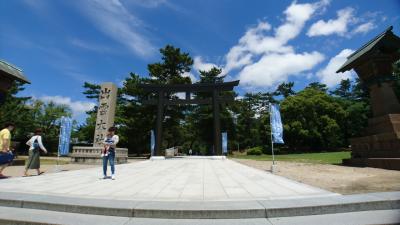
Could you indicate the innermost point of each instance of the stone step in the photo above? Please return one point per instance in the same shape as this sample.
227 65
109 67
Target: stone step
353 218
10 216
205 209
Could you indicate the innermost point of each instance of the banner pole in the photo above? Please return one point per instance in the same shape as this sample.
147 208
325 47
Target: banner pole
272 140
273 155
57 169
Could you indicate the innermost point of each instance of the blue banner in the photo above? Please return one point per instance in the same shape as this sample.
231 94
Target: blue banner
152 143
65 135
276 124
224 142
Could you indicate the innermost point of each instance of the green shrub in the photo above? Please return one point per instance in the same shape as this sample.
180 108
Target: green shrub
254 151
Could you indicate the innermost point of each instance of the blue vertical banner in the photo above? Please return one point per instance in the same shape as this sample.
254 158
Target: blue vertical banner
152 142
65 135
224 143
276 124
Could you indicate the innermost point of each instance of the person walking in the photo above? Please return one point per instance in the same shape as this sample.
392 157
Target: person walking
6 155
35 145
110 144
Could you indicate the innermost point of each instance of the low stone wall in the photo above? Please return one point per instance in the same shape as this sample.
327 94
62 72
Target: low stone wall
92 155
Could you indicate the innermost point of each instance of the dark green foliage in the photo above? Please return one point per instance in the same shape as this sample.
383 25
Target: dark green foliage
30 114
311 120
211 76
254 151
353 98
318 86
285 89
173 65
92 91
14 109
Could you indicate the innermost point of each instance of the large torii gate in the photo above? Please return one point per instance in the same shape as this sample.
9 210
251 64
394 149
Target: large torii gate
164 90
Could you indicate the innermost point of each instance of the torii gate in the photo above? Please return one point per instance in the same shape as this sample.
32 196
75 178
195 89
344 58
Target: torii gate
162 90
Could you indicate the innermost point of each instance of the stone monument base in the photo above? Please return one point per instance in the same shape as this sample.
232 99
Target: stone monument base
92 155
380 147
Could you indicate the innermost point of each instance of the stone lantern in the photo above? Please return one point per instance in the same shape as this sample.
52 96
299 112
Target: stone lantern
373 63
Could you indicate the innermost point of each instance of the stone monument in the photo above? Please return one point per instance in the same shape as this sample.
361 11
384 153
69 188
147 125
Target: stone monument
379 145
104 120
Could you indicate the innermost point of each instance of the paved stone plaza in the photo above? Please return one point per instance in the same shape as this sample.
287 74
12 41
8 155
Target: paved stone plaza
201 191
184 179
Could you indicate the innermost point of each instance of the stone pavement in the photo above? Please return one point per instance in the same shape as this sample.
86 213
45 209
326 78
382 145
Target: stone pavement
199 191
185 179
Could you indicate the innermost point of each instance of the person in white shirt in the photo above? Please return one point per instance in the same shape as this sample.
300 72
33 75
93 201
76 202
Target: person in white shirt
35 145
108 154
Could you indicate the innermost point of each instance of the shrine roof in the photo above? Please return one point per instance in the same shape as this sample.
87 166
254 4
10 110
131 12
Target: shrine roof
13 72
387 38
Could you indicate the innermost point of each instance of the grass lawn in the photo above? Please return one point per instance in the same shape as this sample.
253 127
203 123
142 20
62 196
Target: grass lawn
323 158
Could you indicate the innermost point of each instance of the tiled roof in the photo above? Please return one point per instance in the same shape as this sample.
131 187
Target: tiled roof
9 70
368 47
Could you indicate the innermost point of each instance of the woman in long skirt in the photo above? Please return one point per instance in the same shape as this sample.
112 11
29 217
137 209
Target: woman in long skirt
35 145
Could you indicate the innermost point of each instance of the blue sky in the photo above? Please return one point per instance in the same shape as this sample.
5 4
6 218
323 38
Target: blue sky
59 44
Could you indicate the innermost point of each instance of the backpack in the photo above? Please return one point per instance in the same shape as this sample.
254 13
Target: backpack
35 144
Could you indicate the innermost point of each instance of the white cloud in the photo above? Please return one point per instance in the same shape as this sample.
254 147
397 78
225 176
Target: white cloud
181 95
148 3
90 46
263 58
273 69
364 28
256 40
78 108
199 64
296 16
337 26
237 57
328 74
113 19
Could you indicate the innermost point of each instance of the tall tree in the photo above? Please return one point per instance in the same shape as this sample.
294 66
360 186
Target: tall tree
344 89
137 120
85 132
318 86
173 65
46 115
285 89
311 120
355 102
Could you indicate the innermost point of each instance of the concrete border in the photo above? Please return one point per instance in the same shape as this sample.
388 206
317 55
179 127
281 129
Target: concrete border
205 209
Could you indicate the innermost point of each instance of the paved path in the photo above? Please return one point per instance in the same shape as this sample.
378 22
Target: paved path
167 180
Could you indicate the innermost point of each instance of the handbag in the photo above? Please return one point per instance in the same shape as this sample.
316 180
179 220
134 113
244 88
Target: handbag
6 158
